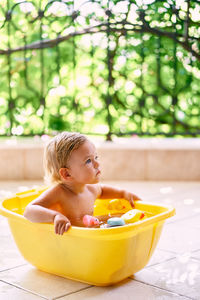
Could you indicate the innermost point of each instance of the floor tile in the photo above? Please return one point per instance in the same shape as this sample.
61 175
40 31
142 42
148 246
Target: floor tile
185 201
186 206
10 256
180 275
127 290
160 256
4 228
193 222
41 283
196 254
9 292
179 237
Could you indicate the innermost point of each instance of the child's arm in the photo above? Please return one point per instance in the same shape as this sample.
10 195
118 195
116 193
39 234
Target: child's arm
38 211
109 192
38 214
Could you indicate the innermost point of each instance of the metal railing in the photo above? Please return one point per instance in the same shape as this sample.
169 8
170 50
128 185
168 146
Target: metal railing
100 67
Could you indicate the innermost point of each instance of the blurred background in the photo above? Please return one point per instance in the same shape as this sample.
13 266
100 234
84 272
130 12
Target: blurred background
109 68
122 71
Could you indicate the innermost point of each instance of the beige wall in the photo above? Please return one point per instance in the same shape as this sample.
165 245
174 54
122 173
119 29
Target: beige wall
125 159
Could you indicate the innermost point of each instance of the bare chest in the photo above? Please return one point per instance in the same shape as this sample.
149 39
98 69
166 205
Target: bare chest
76 207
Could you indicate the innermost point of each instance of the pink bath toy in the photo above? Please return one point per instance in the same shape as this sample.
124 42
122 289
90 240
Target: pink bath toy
90 221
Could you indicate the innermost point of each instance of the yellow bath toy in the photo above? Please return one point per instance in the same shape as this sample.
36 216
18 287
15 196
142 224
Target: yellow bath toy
115 204
133 215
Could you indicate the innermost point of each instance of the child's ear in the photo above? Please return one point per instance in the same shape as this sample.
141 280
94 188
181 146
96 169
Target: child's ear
64 173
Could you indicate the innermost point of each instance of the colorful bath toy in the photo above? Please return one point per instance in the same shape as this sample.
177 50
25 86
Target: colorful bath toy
133 215
115 221
115 204
90 221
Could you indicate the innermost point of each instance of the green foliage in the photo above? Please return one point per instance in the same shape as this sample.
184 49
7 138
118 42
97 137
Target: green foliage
121 79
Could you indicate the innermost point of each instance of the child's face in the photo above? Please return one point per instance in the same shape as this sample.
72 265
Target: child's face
84 165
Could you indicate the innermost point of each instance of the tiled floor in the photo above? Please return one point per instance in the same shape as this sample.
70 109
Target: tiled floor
173 272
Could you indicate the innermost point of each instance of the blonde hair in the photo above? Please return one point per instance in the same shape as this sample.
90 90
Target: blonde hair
57 153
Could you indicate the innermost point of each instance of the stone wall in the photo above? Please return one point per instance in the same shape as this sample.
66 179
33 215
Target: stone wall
123 159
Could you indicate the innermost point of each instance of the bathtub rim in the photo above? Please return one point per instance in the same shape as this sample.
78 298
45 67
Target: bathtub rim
110 232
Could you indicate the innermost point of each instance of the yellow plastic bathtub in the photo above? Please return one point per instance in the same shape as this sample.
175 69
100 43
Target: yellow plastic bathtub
98 256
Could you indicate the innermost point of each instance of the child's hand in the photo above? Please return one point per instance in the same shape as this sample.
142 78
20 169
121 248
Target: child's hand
130 197
61 224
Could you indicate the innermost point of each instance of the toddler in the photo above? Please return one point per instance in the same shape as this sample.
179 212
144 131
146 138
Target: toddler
72 166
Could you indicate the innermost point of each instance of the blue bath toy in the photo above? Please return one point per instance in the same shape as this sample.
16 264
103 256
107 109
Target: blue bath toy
115 221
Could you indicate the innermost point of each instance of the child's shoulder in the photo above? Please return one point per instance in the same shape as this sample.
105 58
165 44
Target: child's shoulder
54 188
54 191
48 197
